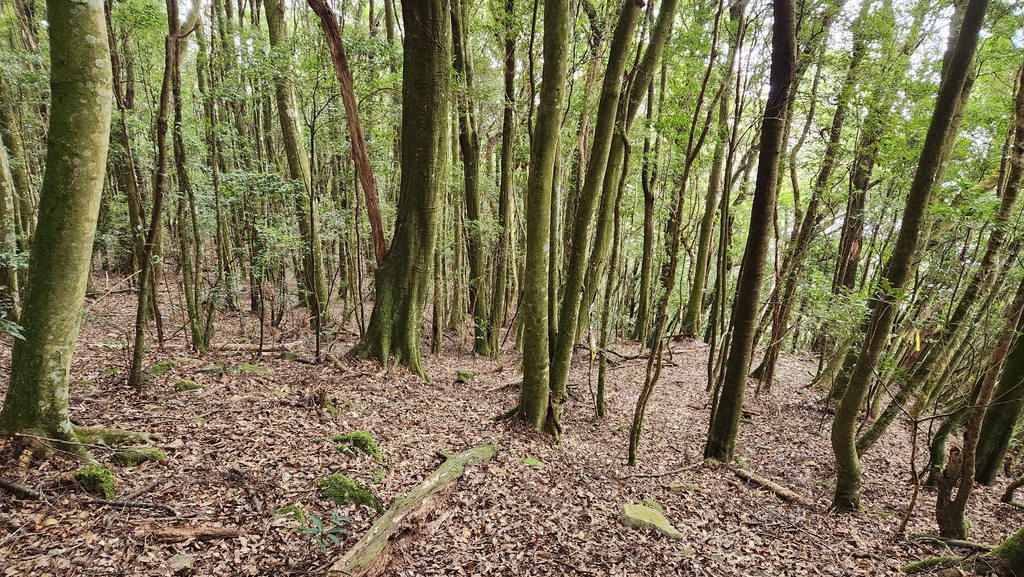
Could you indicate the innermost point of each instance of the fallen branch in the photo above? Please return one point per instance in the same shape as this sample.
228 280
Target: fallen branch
783 493
21 490
245 347
974 546
128 504
367 557
177 533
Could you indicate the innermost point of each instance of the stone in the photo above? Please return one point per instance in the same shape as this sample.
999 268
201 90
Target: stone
181 562
643 517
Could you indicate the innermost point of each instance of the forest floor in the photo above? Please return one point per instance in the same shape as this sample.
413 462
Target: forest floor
252 441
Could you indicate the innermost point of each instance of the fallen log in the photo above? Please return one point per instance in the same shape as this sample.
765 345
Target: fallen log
783 493
367 557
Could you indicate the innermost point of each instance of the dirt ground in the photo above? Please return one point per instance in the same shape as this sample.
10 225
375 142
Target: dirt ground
255 439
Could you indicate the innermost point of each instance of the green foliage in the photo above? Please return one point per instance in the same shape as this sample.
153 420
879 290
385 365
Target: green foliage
345 491
96 479
323 534
361 440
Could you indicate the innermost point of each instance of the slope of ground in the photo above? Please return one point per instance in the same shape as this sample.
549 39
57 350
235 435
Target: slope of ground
255 438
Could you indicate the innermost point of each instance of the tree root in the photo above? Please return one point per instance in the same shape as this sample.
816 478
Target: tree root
930 563
111 437
972 545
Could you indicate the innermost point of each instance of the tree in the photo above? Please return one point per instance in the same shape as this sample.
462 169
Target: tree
897 269
535 394
727 407
404 280
76 155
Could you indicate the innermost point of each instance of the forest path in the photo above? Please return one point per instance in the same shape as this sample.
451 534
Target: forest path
254 439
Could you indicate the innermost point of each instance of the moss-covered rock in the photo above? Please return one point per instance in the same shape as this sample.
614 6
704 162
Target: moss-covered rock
134 456
464 376
187 385
160 368
95 479
644 517
345 491
361 440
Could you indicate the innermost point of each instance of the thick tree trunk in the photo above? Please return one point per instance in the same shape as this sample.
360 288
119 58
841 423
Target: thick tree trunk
535 395
76 155
896 272
725 416
404 279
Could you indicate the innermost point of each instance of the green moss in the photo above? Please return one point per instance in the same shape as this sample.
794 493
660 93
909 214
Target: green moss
361 440
295 511
134 456
344 491
160 368
187 385
247 368
289 356
376 476
464 376
96 479
530 461
217 369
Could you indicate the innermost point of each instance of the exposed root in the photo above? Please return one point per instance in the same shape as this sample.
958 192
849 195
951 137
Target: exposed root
111 437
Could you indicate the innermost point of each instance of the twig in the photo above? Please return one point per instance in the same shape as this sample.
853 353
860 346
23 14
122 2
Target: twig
782 492
128 504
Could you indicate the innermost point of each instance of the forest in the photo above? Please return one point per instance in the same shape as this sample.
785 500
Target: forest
561 287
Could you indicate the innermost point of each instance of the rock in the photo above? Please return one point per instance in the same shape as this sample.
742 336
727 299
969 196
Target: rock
464 376
181 562
644 517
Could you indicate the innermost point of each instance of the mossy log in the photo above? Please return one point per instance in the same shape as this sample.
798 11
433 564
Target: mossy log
366 557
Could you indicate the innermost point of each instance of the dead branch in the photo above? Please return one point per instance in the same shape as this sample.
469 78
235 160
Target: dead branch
21 490
783 493
661 473
369 556
176 533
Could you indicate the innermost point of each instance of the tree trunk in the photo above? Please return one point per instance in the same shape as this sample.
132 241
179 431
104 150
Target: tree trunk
404 279
503 251
469 145
314 277
896 272
535 395
725 416
76 155
589 196
18 163
10 300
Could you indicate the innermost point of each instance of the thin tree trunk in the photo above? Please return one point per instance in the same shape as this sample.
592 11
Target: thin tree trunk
725 414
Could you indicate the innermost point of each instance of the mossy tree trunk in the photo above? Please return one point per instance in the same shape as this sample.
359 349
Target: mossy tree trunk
404 279
725 416
314 277
503 250
469 146
535 394
76 155
942 352
898 268
18 163
604 130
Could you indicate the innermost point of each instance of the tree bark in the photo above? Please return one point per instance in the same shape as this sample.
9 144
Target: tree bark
76 154
404 279
726 413
535 394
